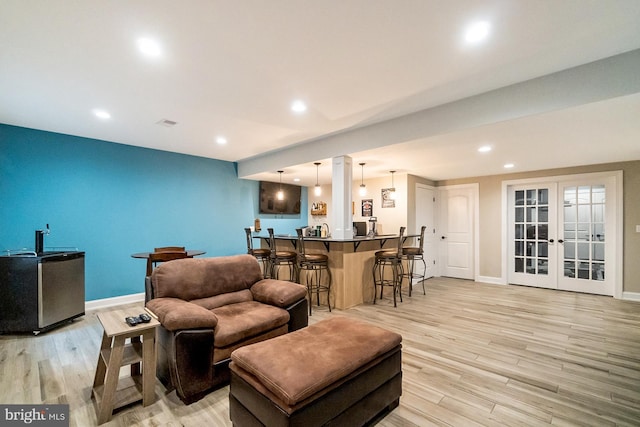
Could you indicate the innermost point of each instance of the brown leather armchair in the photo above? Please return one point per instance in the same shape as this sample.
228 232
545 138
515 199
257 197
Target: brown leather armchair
209 307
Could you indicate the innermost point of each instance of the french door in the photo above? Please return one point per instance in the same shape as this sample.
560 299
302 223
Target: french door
562 234
532 218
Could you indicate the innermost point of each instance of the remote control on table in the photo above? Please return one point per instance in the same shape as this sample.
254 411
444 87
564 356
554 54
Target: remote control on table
132 321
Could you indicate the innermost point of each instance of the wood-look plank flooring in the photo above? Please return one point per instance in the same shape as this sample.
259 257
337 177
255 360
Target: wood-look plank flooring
473 355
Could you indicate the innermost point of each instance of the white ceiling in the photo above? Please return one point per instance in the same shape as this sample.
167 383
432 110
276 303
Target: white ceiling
232 68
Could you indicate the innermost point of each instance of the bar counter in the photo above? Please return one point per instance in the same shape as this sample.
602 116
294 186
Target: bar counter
350 262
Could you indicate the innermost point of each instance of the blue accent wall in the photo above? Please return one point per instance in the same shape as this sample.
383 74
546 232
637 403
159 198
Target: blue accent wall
111 200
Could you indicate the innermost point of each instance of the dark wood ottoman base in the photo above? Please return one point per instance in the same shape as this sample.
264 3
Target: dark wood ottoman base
361 398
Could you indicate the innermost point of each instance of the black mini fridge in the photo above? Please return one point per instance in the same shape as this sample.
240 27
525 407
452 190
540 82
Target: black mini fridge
40 291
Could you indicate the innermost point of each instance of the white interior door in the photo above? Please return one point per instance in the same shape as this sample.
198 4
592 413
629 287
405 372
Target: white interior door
456 219
425 215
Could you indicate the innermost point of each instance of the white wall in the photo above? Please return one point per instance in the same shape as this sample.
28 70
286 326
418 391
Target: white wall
389 219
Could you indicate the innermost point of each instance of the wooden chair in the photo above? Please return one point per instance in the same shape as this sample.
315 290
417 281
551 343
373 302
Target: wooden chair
164 256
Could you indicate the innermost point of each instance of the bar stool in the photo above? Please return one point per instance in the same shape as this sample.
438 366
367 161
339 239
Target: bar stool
385 260
281 258
262 255
314 265
411 255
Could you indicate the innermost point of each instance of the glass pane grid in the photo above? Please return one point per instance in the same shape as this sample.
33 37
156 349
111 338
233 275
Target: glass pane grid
531 231
584 217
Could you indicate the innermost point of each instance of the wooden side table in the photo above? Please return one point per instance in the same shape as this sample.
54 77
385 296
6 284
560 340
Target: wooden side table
115 353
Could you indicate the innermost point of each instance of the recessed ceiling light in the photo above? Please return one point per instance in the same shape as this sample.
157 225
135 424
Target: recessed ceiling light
221 140
508 165
298 106
484 149
477 32
102 114
149 47
296 179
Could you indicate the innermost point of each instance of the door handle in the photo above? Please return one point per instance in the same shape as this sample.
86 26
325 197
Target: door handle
442 237
560 241
551 240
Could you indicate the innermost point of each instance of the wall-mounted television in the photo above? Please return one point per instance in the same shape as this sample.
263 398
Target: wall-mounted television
269 203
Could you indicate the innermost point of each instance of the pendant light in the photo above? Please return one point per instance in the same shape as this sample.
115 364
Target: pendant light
317 190
280 193
363 188
392 193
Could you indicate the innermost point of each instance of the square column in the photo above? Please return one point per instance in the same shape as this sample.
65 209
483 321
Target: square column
341 197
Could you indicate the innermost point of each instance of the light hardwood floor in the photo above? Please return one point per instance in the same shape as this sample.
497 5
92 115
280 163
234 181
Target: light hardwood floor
473 354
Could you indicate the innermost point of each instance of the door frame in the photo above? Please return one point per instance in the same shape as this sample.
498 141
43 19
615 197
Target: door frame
475 187
617 175
433 267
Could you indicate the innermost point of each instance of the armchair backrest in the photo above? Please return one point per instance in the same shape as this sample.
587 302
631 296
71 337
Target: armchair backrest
198 278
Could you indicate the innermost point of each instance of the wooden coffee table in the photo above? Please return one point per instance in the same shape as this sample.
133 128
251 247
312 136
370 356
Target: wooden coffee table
116 352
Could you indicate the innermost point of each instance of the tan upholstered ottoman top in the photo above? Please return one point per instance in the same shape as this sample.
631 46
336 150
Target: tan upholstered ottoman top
295 366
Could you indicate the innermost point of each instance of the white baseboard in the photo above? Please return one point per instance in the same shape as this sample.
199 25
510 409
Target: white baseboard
631 296
110 302
491 280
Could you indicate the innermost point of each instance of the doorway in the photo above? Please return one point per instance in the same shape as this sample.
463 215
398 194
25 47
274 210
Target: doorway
565 233
425 215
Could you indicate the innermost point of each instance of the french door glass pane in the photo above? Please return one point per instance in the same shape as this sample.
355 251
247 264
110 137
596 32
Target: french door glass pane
597 194
543 266
543 250
569 269
543 214
519 249
584 218
597 271
598 232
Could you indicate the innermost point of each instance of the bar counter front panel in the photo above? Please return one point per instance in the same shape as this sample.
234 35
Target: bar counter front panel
350 261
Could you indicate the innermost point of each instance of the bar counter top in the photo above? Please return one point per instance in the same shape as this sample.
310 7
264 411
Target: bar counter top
382 238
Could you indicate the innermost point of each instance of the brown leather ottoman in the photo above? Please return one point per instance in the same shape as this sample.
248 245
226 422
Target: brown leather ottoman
336 372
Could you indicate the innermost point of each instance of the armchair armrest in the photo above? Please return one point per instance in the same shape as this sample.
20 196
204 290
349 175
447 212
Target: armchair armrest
175 314
278 292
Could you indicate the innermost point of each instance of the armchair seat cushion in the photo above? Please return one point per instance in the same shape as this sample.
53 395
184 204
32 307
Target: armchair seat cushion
244 320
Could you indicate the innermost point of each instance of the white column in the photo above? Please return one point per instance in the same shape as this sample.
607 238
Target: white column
342 176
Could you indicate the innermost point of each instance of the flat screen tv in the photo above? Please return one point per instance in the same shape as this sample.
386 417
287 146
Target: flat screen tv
269 203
